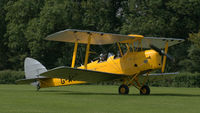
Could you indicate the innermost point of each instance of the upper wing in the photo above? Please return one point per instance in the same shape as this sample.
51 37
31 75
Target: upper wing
145 42
98 38
81 74
160 42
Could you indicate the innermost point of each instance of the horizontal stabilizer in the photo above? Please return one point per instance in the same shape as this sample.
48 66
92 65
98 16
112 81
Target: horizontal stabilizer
28 81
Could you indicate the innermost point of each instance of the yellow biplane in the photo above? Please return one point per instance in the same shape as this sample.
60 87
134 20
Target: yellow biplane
143 55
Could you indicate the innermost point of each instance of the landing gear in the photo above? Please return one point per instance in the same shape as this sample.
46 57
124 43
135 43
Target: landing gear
123 89
38 87
134 81
145 90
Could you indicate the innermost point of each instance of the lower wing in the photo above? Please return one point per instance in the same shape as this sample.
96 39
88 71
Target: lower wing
164 74
81 74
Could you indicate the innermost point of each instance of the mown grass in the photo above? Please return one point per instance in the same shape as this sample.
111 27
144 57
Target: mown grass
97 99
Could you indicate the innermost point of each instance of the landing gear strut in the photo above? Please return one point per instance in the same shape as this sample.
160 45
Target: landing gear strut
38 87
133 81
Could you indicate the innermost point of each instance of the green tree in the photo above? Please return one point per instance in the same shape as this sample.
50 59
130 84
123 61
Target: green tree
54 16
102 15
192 63
17 17
167 18
3 40
25 24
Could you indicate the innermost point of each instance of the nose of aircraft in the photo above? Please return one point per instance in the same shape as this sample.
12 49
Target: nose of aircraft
154 59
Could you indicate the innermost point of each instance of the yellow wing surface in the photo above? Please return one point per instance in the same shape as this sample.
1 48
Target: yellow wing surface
81 74
100 38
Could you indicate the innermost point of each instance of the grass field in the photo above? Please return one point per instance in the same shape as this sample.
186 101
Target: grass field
97 99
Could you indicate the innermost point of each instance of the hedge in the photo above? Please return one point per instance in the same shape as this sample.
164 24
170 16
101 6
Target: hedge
9 76
179 80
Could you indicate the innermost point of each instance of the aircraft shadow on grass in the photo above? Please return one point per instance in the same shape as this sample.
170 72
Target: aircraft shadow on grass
175 94
77 92
97 93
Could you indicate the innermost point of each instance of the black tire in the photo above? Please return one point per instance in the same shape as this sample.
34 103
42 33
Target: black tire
145 90
123 89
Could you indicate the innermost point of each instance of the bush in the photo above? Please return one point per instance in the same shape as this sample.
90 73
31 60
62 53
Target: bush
179 80
9 77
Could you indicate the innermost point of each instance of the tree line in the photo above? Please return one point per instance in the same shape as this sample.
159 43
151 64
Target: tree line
25 23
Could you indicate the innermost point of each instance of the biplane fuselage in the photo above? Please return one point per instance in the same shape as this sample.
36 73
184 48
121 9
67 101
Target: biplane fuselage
51 82
130 64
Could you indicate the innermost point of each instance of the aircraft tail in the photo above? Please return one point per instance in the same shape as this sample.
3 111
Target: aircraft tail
33 68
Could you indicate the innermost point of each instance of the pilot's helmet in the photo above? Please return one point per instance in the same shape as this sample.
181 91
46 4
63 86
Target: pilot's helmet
101 55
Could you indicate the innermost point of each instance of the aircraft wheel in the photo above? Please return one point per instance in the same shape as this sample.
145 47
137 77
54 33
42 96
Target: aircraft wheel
145 90
123 89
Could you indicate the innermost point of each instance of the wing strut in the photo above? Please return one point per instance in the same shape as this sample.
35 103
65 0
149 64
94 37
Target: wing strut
87 51
120 50
74 53
165 57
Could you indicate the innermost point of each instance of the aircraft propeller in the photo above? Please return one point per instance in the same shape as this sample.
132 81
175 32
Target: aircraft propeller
161 52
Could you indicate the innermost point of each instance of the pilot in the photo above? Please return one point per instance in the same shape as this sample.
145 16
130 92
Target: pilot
102 57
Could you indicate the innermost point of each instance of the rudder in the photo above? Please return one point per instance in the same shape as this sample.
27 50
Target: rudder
33 68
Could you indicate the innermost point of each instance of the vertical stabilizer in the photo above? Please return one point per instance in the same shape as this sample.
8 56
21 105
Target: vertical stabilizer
33 68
